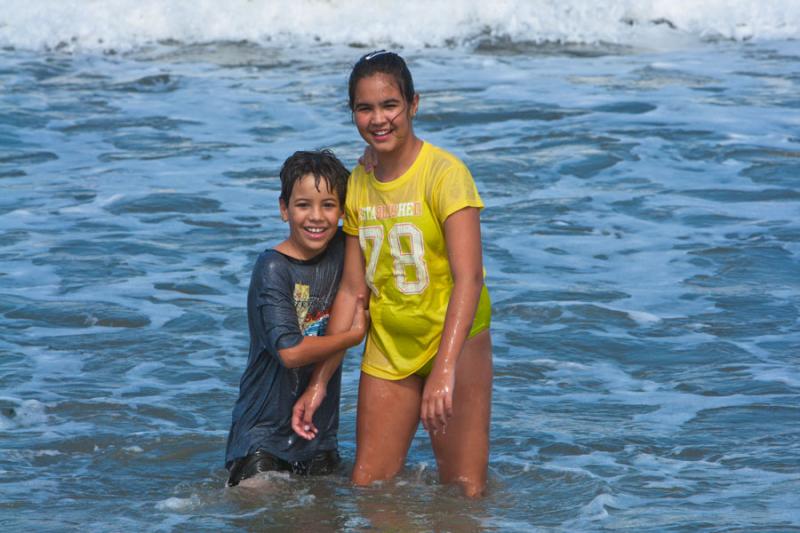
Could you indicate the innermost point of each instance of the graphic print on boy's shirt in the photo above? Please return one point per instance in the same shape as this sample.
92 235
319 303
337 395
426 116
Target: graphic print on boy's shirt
313 324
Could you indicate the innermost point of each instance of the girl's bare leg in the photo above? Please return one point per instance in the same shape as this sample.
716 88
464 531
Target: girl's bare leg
462 449
386 420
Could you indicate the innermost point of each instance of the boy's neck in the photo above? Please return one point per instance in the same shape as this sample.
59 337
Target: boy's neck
287 248
393 165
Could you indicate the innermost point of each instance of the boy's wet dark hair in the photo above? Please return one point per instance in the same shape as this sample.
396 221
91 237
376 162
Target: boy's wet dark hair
323 165
382 62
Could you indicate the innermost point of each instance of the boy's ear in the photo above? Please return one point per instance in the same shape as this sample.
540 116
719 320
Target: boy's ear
284 210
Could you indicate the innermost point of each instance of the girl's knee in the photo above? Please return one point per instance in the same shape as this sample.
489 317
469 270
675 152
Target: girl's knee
471 488
473 491
361 477
364 475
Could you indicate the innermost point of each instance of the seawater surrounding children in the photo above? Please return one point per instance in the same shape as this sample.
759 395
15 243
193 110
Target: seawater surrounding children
413 241
291 292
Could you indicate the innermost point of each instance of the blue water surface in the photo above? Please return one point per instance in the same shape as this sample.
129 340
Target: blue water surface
641 240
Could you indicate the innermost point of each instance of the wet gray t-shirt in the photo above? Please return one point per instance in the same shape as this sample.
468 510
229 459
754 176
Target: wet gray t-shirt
288 298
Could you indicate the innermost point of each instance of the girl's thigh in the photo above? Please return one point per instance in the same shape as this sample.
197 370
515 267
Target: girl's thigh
462 449
386 420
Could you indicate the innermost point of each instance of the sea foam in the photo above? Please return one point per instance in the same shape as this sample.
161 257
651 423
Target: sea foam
128 24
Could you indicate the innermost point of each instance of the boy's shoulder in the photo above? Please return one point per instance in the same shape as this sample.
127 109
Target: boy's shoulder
270 267
270 256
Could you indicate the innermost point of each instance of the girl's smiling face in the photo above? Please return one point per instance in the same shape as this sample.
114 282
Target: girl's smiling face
381 113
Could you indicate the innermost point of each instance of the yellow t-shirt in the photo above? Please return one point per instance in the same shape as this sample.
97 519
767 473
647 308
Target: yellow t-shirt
400 225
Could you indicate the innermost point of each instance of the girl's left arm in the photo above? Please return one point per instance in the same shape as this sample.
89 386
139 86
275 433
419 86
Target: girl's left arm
463 236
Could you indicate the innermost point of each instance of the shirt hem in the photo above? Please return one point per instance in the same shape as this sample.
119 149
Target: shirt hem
382 374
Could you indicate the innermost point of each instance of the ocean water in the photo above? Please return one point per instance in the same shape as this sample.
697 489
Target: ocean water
640 162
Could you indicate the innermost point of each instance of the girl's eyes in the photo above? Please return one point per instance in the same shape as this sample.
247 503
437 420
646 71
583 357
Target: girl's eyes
386 105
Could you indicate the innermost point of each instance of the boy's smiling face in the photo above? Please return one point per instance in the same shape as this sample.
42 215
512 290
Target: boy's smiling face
313 217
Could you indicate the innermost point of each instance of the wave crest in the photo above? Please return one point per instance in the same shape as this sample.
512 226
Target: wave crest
128 24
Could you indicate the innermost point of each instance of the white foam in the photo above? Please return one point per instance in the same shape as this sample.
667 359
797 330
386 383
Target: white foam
47 453
642 317
596 509
778 374
302 499
552 363
26 413
676 409
125 24
178 504
264 480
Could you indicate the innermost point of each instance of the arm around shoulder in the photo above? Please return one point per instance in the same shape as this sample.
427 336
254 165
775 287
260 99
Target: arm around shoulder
314 349
347 307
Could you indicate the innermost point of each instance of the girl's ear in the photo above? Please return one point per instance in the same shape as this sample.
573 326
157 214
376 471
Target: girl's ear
414 104
284 210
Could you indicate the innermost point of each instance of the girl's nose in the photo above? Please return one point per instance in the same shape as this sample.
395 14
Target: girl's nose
378 117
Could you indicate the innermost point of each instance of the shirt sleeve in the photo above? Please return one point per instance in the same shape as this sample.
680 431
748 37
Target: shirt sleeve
273 317
454 190
350 225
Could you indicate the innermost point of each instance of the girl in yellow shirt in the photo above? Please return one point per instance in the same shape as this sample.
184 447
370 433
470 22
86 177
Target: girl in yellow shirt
413 241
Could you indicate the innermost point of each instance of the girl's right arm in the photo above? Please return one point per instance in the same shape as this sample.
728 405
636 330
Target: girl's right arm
352 288
313 349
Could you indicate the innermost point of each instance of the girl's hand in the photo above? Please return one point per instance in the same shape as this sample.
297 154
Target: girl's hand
437 399
360 324
369 159
304 409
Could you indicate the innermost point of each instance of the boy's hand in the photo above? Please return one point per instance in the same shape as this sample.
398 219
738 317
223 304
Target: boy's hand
369 159
304 409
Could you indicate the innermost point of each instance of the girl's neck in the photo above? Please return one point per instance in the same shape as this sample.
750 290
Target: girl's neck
392 165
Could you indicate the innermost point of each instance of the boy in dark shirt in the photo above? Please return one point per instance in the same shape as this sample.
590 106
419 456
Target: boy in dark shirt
291 293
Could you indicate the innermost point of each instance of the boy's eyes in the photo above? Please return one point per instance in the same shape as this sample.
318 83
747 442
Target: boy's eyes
306 205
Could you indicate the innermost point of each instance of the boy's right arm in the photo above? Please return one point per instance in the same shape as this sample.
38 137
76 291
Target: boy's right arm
352 288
